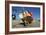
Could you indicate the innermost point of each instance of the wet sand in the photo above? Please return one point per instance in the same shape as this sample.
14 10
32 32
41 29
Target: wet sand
18 24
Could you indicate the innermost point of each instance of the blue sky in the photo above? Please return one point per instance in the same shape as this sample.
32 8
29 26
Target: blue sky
35 11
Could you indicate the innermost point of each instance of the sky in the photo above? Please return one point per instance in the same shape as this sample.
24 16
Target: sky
35 11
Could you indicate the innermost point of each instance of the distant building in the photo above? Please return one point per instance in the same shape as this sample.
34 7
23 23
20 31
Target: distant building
13 17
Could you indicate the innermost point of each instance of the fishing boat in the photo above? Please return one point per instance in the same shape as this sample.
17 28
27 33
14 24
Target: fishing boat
26 17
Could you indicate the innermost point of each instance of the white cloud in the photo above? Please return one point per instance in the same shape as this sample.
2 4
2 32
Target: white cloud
20 15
